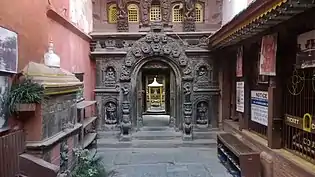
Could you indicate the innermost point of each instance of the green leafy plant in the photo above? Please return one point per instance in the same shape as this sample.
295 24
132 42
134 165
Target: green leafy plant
24 92
88 165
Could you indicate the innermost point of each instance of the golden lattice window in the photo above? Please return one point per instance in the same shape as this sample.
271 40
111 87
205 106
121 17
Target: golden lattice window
133 13
199 13
155 13
177 13
112 13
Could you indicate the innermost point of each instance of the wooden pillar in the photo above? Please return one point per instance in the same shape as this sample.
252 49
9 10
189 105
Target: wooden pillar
274 114
245 117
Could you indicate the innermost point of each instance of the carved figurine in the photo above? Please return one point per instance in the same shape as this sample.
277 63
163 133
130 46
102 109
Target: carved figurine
110 74
190 7
202 74
125 125
125 90
187 92
122 9
111 114
187 126
64 157
145 12
202 111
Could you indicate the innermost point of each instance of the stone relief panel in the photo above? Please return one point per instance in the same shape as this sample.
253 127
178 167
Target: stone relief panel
203 73
189 15
107 72
109 76
145 15
202 115
122 16
202 109
110 113
59 113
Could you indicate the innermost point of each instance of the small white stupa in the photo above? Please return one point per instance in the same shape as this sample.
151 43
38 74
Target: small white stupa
50 58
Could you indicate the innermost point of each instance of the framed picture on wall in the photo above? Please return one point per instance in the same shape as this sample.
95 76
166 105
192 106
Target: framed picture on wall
4 89
8 51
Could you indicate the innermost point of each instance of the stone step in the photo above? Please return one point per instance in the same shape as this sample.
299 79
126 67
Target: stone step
102 143
156 128
156 135
205 135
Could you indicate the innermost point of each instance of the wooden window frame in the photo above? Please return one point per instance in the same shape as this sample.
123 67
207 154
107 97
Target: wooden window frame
199 7
155 6
179 14
135 8
112 8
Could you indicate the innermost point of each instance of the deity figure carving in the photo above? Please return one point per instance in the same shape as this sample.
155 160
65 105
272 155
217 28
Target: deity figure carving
122 18
125 74
202 74
189 9
202 113
187 126
145 5
125 125
110 74
64 149
165 10
187 92
189 15
111 113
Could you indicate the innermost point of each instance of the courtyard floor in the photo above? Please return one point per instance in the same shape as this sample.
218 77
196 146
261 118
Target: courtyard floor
163 162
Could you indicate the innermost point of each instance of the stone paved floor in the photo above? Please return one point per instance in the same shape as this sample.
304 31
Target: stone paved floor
163 162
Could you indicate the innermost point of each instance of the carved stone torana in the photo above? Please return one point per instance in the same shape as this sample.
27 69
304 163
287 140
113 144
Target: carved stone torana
202 113
156 44
189 15
111 113
122 16
145 7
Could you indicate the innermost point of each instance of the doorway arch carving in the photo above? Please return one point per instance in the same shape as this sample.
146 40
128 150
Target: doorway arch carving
162 48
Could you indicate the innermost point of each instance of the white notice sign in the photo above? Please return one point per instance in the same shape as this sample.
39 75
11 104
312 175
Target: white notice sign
240 96
259 107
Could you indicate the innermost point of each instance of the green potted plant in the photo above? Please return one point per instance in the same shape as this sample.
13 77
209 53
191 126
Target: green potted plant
88 165
24 95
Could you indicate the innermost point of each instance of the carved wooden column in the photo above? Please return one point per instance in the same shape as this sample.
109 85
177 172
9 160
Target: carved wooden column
166 9
144 10
189 15
274 114
122 16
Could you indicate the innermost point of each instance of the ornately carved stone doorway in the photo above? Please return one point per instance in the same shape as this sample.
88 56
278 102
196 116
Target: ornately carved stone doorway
158 99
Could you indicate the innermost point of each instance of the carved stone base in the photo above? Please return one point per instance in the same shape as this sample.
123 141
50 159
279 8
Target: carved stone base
202 126
125 137
187 137
111 122
172 122
108 127
139 123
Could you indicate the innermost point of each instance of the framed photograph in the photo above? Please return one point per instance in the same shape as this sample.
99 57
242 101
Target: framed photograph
268 55
8 51
4 89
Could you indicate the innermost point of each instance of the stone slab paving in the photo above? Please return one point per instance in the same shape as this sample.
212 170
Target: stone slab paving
163 162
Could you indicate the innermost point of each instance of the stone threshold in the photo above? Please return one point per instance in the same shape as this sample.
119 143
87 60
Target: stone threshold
293 162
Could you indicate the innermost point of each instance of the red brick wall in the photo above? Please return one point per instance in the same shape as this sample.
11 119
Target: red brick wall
28 18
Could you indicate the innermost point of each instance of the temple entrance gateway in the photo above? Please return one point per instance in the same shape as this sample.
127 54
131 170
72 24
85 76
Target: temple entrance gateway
156 83
157 77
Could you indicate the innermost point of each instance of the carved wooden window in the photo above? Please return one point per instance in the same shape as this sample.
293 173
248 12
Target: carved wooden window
155 12
112 13
133 13
199 13
177 13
